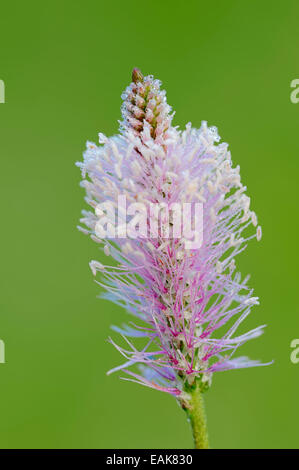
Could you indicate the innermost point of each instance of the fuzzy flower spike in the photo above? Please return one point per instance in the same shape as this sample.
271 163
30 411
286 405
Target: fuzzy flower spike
187 298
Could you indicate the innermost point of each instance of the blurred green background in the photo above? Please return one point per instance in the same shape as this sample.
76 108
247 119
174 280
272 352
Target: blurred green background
65 65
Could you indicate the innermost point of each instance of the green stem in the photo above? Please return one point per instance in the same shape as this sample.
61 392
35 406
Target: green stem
197 418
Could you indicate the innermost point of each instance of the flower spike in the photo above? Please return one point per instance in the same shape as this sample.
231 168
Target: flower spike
182 294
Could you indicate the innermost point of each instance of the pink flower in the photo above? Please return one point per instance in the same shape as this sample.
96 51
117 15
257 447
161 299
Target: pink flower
181 298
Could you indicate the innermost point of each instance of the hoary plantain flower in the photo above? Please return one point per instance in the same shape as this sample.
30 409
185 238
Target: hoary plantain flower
187 300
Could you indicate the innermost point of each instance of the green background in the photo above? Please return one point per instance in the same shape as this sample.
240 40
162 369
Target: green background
65 65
